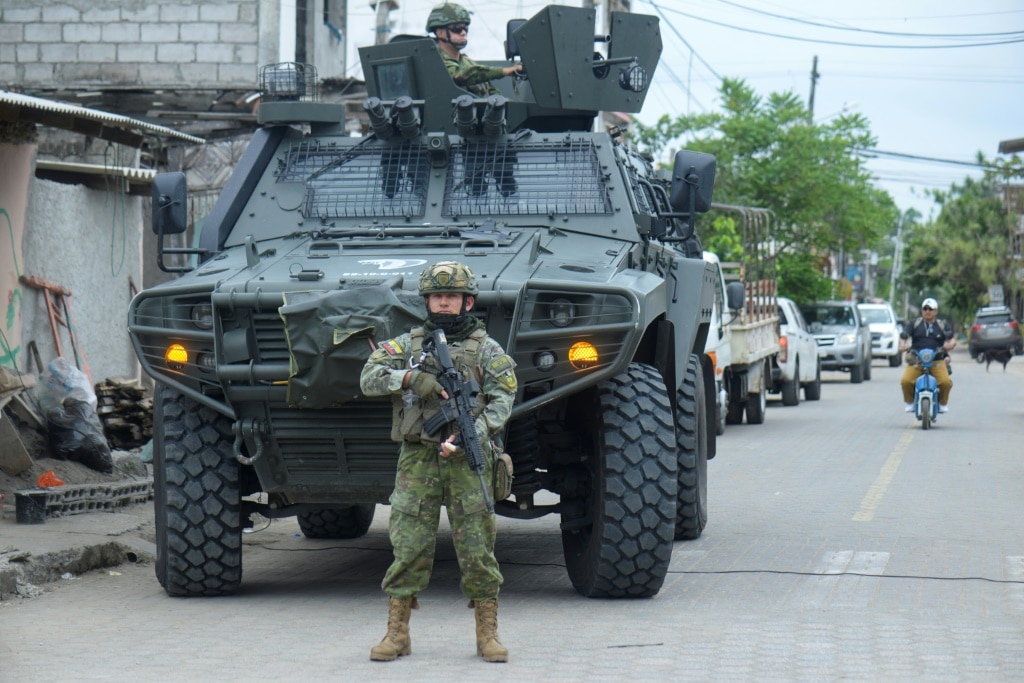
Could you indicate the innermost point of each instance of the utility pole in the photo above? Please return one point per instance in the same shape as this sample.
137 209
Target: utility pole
383 27
814 81
897 262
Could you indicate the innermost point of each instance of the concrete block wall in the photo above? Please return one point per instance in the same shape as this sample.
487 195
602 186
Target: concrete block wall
90 242
140 43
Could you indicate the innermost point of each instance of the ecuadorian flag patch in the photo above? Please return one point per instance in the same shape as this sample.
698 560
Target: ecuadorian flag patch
391 347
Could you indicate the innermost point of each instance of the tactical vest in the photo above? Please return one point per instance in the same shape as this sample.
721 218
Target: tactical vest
410 411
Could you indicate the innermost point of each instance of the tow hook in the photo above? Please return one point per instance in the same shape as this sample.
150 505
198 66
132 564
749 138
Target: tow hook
251 430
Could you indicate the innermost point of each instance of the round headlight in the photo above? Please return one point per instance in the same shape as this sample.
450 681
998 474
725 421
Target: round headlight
202 316
583 355
544 360
176 357
561 312
206 362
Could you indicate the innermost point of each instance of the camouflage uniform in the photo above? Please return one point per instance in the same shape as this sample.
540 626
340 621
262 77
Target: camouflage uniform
474 77
425 481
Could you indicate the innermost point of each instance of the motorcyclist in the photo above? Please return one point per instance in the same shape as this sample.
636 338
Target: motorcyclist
926 332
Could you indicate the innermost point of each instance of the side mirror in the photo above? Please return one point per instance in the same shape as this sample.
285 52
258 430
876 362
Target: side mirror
735 295
170 203
693 179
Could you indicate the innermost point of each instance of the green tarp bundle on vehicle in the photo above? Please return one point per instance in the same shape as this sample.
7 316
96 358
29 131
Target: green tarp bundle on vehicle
331 334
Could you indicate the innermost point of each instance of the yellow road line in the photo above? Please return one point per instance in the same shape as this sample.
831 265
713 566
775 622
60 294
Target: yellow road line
873 497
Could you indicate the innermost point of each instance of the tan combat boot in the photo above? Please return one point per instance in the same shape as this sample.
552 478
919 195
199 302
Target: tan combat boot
396 642
487 644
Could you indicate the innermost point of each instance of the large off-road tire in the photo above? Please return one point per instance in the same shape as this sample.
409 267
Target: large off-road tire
345 522
867 368
691 454
621 544
791 390
895 360
196 498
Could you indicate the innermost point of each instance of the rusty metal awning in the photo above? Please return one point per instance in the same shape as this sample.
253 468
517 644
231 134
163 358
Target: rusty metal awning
135 181
100 124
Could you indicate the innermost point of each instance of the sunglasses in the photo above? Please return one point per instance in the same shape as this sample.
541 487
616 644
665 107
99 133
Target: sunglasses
927 308
457 28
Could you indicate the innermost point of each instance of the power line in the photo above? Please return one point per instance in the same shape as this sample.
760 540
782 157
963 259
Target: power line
865 30
832 42
687 44
917 157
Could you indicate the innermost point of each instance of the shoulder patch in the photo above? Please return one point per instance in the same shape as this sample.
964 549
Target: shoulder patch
391 346
500 364
502 369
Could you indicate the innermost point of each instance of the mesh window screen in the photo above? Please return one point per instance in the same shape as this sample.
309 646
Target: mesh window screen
359 182
547 178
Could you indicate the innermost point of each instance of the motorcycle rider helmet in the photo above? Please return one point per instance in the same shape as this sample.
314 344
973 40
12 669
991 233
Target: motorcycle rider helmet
445 14
930 303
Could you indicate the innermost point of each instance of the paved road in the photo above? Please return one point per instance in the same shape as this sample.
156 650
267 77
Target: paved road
843 543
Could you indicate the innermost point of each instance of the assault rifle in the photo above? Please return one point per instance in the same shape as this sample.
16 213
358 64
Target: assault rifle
458 408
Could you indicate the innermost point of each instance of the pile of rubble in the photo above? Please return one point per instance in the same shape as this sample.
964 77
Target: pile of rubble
126 412
32 456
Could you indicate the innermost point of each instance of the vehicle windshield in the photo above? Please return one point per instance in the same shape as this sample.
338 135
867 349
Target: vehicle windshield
994 319
876 315
830 315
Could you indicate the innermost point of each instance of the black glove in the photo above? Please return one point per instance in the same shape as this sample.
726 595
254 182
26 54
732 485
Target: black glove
424 385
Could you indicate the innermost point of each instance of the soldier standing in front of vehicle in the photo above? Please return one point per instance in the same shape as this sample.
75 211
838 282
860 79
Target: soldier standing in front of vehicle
450 24
432 469
927 333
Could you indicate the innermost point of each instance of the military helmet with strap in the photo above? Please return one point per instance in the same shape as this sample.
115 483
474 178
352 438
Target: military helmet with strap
445 14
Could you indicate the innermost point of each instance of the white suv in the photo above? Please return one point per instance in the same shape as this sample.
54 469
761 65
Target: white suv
885 332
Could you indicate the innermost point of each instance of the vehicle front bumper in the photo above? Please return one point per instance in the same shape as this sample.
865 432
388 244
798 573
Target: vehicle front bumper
838 356
884 346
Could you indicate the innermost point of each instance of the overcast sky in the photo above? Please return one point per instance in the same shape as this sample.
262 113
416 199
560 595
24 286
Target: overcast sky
914 68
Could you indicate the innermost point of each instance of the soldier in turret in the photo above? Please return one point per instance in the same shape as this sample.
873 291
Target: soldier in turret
432 468
450 24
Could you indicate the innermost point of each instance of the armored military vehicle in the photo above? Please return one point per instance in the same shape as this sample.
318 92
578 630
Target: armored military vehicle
590 276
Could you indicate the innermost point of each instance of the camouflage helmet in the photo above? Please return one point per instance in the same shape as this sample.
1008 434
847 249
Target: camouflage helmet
448 276
447 13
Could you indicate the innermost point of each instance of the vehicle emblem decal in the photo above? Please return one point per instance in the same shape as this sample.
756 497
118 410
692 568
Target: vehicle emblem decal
393 263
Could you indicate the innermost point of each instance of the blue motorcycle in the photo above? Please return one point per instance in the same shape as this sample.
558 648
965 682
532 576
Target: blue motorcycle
926 390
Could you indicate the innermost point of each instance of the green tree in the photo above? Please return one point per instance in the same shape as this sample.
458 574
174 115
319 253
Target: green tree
956 257
811 176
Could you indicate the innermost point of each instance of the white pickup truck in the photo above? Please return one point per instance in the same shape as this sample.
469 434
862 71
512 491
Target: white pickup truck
742 343
797 364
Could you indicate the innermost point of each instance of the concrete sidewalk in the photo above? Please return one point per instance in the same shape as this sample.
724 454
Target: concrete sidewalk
35 554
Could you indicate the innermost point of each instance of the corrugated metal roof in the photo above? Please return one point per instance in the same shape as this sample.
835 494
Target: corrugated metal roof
114 127
136 181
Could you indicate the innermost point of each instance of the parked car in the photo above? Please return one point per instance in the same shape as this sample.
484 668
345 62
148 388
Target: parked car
844 338
994 328
885 332
797 365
